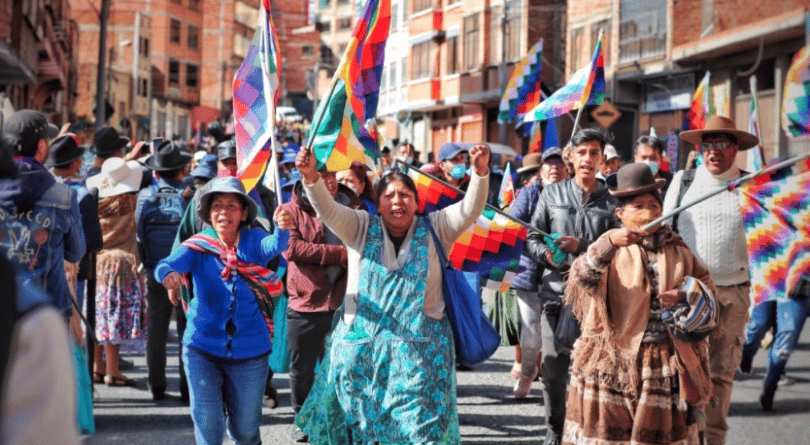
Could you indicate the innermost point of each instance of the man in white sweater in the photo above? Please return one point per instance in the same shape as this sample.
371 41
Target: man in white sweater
714 231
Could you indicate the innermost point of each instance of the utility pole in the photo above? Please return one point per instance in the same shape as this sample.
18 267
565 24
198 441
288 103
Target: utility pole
101 108
136 59
502 70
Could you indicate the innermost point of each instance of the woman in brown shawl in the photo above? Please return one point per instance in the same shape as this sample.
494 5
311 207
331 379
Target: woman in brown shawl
626 384
120 304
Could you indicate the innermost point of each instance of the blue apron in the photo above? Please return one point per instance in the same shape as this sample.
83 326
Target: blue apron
391 368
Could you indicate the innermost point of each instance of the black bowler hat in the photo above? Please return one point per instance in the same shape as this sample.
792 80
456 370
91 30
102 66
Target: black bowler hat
107 141
168 156
64 150
226 150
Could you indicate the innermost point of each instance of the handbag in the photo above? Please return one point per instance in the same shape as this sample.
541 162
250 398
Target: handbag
567 330
474 336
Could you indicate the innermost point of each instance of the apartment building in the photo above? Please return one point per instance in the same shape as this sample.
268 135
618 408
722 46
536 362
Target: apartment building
657 51
454 79
171 63
36 68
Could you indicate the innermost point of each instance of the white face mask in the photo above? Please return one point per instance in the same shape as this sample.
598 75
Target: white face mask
653 166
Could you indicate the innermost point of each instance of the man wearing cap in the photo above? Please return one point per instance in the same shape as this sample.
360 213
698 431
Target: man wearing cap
205 171
40 226
714 230
160 209
612 162
546 168
66 159
650 150
579 210
453 166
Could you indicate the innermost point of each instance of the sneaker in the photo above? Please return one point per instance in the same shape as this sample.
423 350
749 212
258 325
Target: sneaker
786 381
298 435
523 386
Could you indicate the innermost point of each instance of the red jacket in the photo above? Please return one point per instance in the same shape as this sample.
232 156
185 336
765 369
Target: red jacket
309 256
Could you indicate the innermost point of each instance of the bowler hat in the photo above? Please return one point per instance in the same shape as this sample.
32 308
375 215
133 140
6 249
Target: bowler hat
227 184
168 156
721 125
226 150
64 150
632 180
531 162
107 141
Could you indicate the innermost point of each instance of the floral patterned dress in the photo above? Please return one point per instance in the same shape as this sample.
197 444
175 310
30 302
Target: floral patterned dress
389 375
120 289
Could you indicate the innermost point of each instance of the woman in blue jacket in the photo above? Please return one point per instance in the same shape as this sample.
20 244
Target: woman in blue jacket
228 337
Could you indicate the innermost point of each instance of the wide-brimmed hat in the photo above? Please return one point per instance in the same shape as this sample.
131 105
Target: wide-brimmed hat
224 185
721 125
64 150
226 150
531 162
107 141
117 177
632 180
168 156
207 167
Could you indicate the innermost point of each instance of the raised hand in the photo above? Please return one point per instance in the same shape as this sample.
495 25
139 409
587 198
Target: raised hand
307 166
479 158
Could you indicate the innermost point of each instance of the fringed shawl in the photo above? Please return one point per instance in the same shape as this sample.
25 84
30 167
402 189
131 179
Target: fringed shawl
610 294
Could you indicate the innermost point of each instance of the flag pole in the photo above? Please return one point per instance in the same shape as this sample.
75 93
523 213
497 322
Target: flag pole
731 186
405 166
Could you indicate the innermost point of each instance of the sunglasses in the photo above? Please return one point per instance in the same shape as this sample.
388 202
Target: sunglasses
722 145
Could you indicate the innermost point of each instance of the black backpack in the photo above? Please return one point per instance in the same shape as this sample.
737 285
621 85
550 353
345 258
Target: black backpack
160 219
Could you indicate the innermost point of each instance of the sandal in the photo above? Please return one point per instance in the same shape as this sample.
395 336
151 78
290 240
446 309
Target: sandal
112 380
98 377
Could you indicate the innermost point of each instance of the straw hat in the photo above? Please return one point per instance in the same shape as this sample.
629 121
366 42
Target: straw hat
721 125
117 177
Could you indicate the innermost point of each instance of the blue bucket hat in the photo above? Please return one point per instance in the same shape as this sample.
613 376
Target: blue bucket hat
290 153
207 167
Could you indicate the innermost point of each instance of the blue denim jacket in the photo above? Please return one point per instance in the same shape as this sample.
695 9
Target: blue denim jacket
39 229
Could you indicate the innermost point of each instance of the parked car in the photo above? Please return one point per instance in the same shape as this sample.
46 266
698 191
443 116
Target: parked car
288 114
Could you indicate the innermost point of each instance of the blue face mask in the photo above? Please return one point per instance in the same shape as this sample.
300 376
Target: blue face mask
653 166
458 171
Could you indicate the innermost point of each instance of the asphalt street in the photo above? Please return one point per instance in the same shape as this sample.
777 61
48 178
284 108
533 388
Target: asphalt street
488 412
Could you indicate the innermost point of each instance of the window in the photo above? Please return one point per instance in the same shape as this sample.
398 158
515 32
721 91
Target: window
174 31
307 52
194 4
421 5
144 88
174 72
603 25
452 55
421 60
145 47
245 15
642 29
325 26
513 34
192 75
395 17
706 16
344 23
471 42
193 37
343 2
579 54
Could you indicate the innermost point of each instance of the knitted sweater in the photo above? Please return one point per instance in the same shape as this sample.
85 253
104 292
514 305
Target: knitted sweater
713 229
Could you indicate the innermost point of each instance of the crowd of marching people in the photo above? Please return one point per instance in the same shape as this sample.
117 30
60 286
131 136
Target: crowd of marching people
634 326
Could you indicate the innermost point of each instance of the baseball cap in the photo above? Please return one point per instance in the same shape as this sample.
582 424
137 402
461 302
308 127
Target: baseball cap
25 128
550 152
450 149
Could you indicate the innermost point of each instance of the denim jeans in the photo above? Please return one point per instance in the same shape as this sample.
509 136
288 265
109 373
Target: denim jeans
237 386
788 317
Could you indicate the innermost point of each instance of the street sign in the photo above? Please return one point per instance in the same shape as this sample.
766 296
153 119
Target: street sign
606 114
